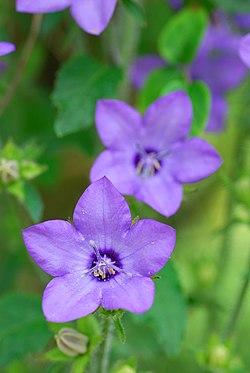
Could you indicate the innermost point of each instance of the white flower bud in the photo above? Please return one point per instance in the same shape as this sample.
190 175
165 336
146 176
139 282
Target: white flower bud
71 342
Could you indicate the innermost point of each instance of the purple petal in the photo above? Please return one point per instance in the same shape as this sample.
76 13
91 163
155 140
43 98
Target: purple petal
244 50
167 120
56 247
93 15
243 20
6 48
70 297
102 214
118 124
194 160
161 193
147 247
218 114
134 294
221 73
41 6
117 167
142 67
176 4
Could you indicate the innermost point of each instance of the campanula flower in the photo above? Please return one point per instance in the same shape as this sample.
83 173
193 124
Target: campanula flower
244 50
151 156
91 15
103 259
6 48
217 64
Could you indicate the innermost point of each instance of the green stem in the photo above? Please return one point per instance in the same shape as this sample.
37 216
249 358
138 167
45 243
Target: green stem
239 303
30 42
106 344
130 37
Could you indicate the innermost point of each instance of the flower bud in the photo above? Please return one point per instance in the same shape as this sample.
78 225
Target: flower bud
71 342
9 170
219 356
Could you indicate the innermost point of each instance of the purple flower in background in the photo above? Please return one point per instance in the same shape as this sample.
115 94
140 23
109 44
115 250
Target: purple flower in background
91 15
102 259
217 64
242 20
175 4
151 157
143 66
6 48
244 50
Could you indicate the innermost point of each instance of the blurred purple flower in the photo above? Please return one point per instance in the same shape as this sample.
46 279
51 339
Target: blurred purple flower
143 66
175 4
242 20
151 157
6 48
217 64
91 15
244 50
102 259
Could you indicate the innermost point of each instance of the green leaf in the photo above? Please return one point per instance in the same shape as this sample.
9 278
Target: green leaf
79 364
80 83
181 37
119 328
56 355
160 82
29 170
239 6
23 329
28 195
135 9
168 313
201 101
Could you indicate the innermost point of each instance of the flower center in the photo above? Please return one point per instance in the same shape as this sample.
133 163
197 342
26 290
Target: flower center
104 266
148 162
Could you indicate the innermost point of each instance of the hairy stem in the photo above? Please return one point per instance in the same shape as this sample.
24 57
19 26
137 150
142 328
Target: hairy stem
30 42
106 344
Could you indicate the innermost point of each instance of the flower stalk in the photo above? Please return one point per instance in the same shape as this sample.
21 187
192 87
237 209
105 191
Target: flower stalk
29 45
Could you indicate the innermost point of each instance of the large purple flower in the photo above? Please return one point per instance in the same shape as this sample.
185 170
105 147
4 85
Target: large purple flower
102 259
6 48
91 15
217 64
244 50
151 157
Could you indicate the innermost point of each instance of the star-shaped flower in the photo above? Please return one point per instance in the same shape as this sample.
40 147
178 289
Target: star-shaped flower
151 156
6 48
101 259
91 15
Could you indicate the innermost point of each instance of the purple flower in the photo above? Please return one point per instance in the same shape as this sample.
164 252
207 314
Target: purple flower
102 259
175 4
244 50
217 64
6 48
151 157
91 15
242 20
143 66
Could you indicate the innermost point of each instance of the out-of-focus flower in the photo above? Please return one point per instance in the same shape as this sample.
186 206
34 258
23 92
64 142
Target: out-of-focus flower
102 259
6 48
175 4
244 50
151 157
242 20
217 64
91 15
